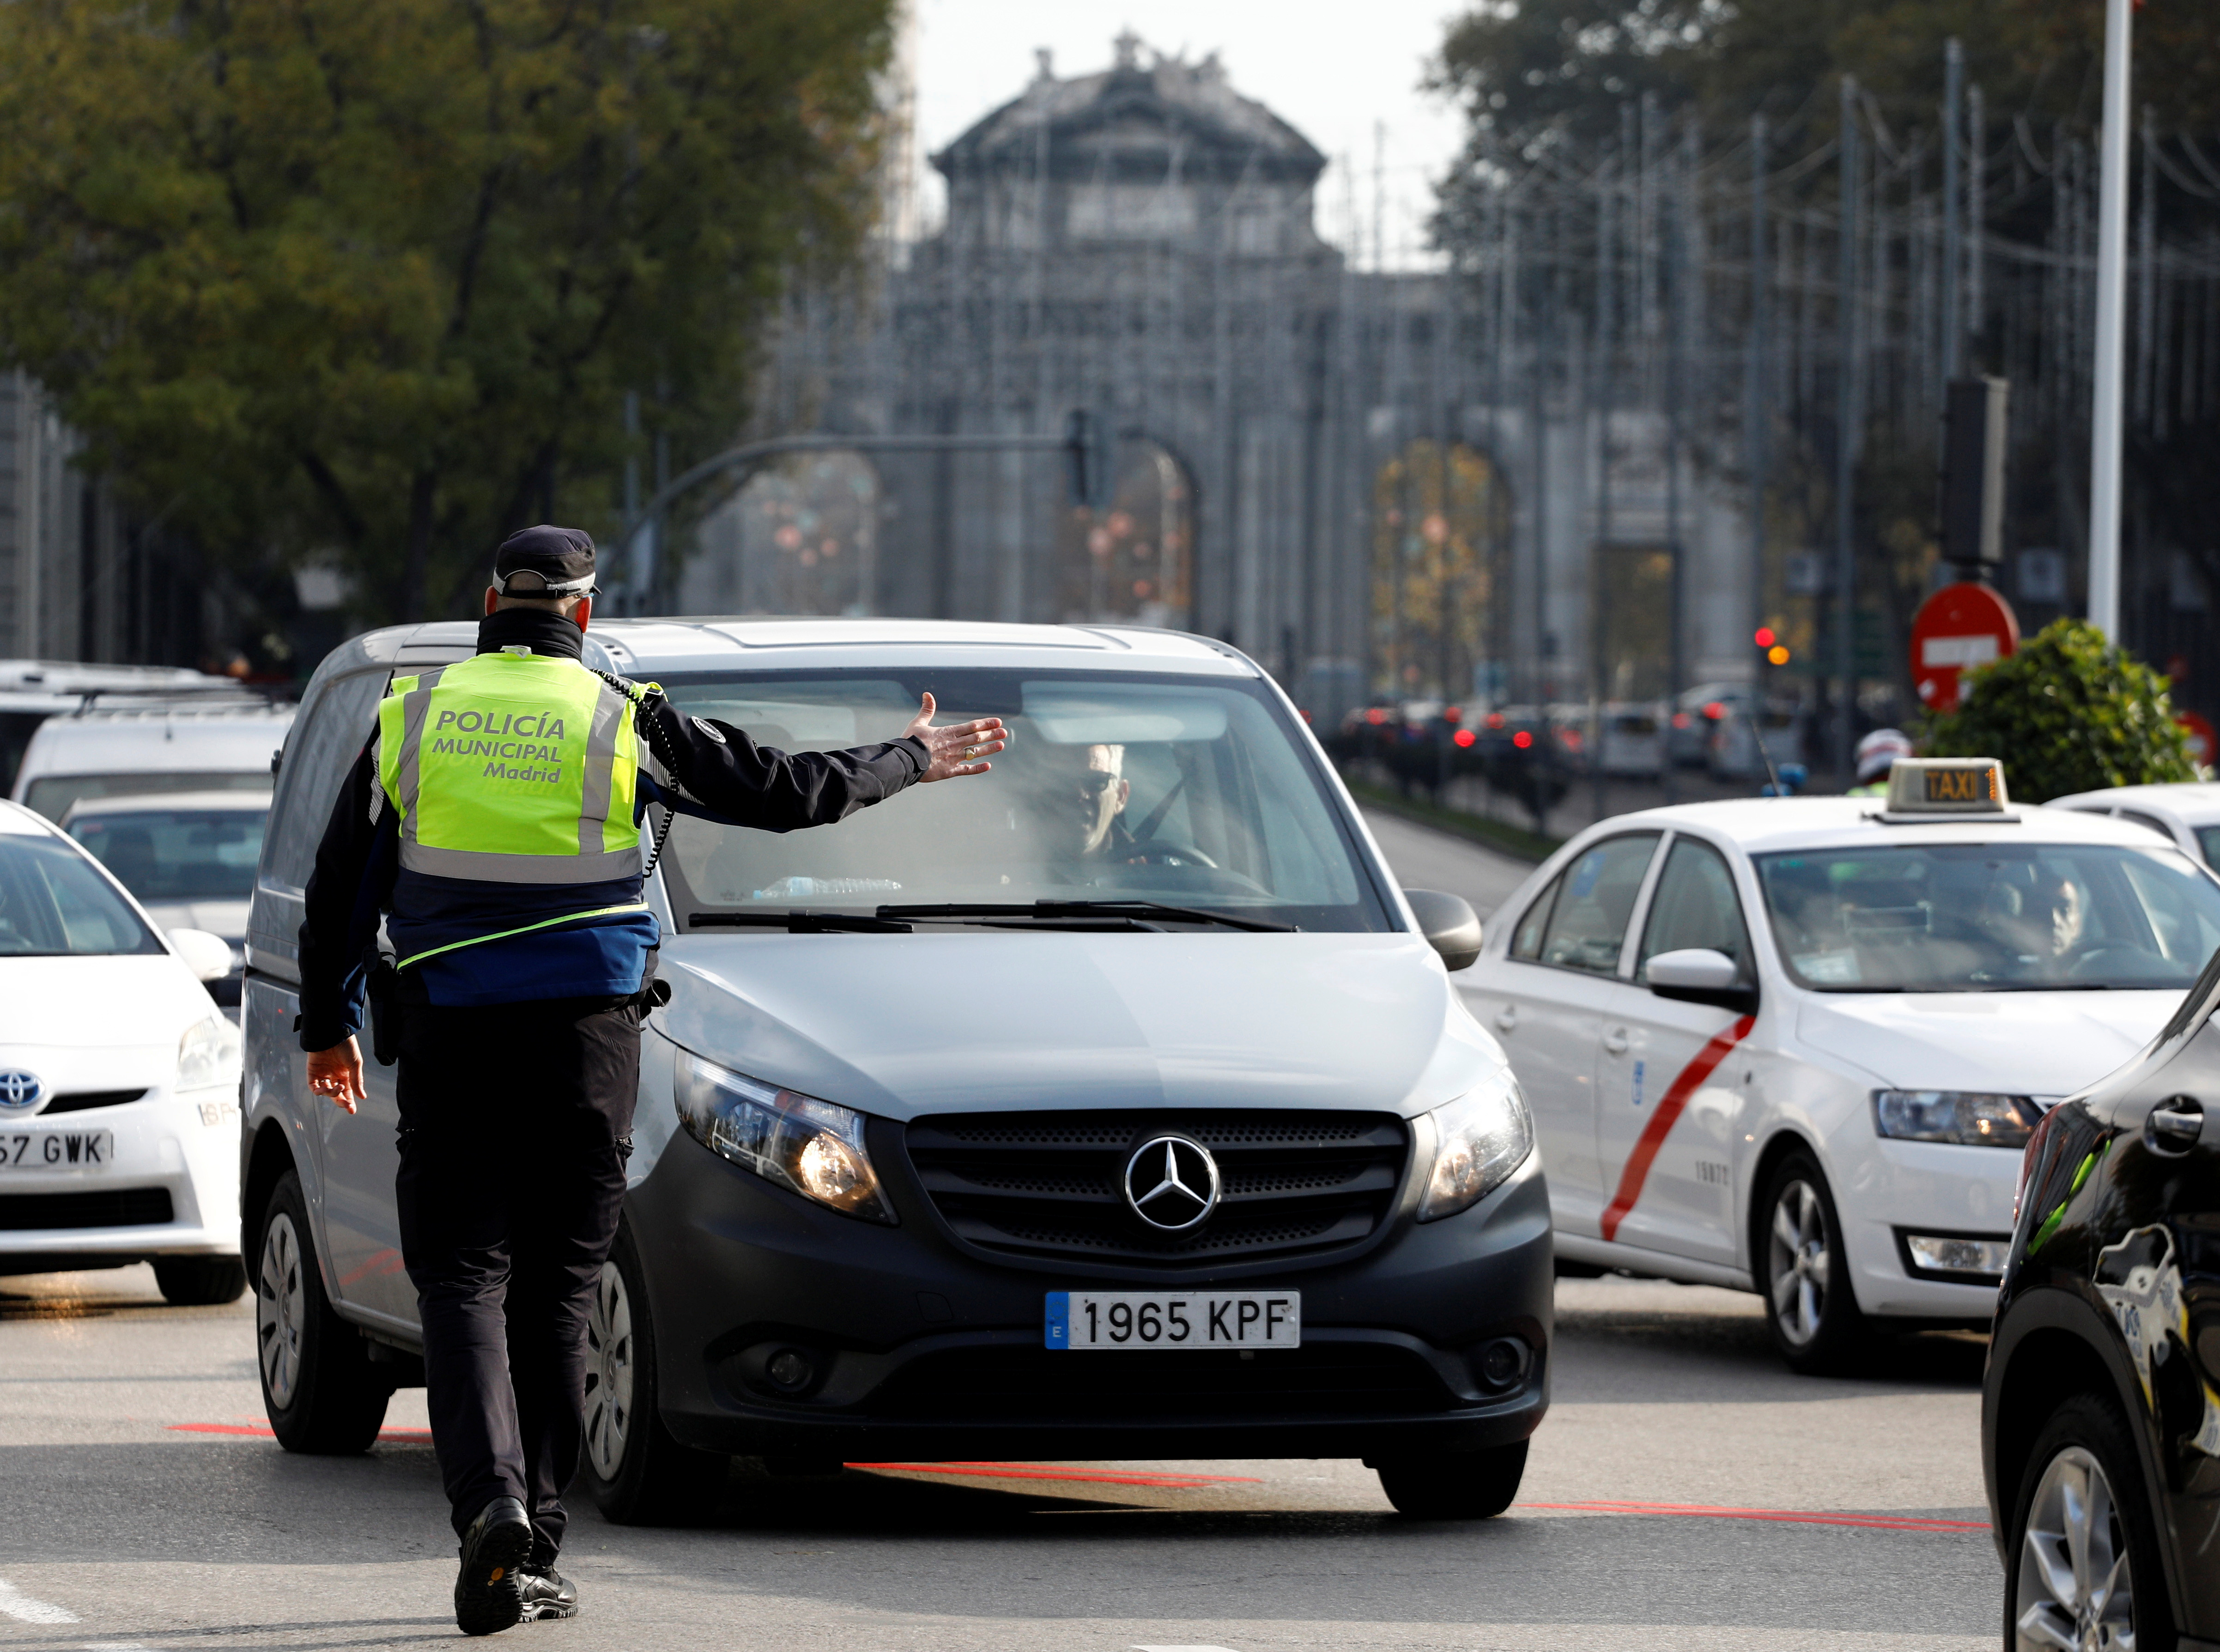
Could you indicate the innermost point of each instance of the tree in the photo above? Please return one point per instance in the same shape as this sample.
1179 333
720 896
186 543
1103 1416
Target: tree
322 276
2067 713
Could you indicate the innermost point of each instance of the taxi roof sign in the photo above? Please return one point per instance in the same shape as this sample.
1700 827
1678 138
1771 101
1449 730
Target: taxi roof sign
1941 789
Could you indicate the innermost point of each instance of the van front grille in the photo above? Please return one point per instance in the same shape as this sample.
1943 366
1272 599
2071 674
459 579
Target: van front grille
1033 1385
1051 1184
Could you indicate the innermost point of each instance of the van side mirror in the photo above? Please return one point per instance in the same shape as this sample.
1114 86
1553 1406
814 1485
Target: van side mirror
1696 975
1448 923
209 957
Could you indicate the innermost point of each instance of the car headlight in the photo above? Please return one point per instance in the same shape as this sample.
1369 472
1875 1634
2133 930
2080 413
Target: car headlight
1479 1139
208 1054
1966 1118
813 1147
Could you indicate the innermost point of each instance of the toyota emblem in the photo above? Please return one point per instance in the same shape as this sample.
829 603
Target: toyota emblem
21 1091
1171 1183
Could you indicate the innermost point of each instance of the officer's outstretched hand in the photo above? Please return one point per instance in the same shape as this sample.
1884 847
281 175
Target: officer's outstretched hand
337 1072
951 750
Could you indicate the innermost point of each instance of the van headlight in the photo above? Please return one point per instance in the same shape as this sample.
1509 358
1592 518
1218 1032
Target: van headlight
1479 1139
813 1147
207 1055
1966 1118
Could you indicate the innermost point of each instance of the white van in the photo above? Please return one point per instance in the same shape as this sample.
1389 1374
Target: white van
170 746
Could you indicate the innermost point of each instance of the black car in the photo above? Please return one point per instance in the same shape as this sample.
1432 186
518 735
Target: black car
2100 1415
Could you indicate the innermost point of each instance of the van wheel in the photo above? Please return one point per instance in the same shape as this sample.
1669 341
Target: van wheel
200 1281
323 1394
1455 1484
2084 1558
639 1475
1804 1273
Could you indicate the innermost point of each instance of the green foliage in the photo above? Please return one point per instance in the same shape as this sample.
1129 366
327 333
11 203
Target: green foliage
1527 72
324 275
2067 712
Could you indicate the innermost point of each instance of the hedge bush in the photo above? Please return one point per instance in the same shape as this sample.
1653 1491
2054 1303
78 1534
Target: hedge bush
2068 713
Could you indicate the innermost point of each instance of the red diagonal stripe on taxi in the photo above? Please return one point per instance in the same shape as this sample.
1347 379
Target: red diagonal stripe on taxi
1660 1122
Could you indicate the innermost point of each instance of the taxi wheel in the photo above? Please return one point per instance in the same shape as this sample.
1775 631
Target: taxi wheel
200 1281
1455 1484
2085 1552
1803 1273
639 1475
323 1395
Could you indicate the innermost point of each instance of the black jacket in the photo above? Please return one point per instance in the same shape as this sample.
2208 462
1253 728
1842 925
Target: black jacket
721 774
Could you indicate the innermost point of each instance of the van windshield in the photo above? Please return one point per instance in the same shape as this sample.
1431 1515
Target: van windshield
52 794
1191 793
1991 917
52 903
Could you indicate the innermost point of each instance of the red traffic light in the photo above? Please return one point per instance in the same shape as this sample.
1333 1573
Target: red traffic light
1765 637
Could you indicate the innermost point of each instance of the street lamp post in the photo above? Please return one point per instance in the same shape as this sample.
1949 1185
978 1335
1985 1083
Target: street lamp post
2111 317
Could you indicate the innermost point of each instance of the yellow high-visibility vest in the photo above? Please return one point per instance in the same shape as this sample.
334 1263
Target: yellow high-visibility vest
512 768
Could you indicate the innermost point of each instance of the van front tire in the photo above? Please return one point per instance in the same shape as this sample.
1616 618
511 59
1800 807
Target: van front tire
638 1473
1455 1484
323 1395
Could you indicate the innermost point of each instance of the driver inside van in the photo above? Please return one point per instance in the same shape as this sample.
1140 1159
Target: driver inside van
1081 797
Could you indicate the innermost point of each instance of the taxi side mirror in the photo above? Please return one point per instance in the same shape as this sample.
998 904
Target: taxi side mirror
1696 975
1448 923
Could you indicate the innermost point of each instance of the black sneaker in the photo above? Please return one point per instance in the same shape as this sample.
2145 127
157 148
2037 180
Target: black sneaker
490 1587
548 1593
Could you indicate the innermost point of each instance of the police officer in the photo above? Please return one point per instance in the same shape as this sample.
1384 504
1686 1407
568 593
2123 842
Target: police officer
493 822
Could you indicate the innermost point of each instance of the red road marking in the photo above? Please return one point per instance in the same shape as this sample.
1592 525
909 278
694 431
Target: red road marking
264 1431
1660 1122
1801 1517
1084 1476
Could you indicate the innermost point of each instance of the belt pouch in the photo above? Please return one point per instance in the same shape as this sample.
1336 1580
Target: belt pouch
384 992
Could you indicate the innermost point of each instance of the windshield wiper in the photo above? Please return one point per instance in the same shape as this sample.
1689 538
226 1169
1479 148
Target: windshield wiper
1054 909
799 923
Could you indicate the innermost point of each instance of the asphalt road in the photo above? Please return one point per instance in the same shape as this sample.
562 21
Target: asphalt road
1686 1492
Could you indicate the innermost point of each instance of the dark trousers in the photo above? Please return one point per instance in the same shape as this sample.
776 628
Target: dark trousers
516 1122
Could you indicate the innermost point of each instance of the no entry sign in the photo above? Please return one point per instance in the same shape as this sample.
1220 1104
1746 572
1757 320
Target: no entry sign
1960 626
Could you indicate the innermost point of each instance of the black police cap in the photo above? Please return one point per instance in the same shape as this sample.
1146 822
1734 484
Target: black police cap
563 558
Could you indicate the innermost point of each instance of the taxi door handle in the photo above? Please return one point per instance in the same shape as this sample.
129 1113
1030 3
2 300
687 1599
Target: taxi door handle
1615 1041
1507 1018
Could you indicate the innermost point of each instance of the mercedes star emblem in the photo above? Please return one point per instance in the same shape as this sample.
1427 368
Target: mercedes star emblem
20 1090
1171 1183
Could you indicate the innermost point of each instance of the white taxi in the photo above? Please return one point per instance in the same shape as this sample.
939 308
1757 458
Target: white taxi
119 1078
1793 1045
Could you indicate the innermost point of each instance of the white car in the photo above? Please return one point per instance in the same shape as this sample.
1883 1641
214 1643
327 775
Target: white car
2186 813
183 745
189 858
1793 1045
119 1078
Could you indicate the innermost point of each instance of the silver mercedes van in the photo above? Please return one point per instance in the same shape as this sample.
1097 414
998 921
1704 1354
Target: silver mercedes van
1225 1169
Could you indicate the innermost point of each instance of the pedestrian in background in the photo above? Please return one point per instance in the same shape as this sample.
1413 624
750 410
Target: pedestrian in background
493 821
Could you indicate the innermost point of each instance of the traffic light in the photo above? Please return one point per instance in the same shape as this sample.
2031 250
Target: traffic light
1770 647
1087 458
